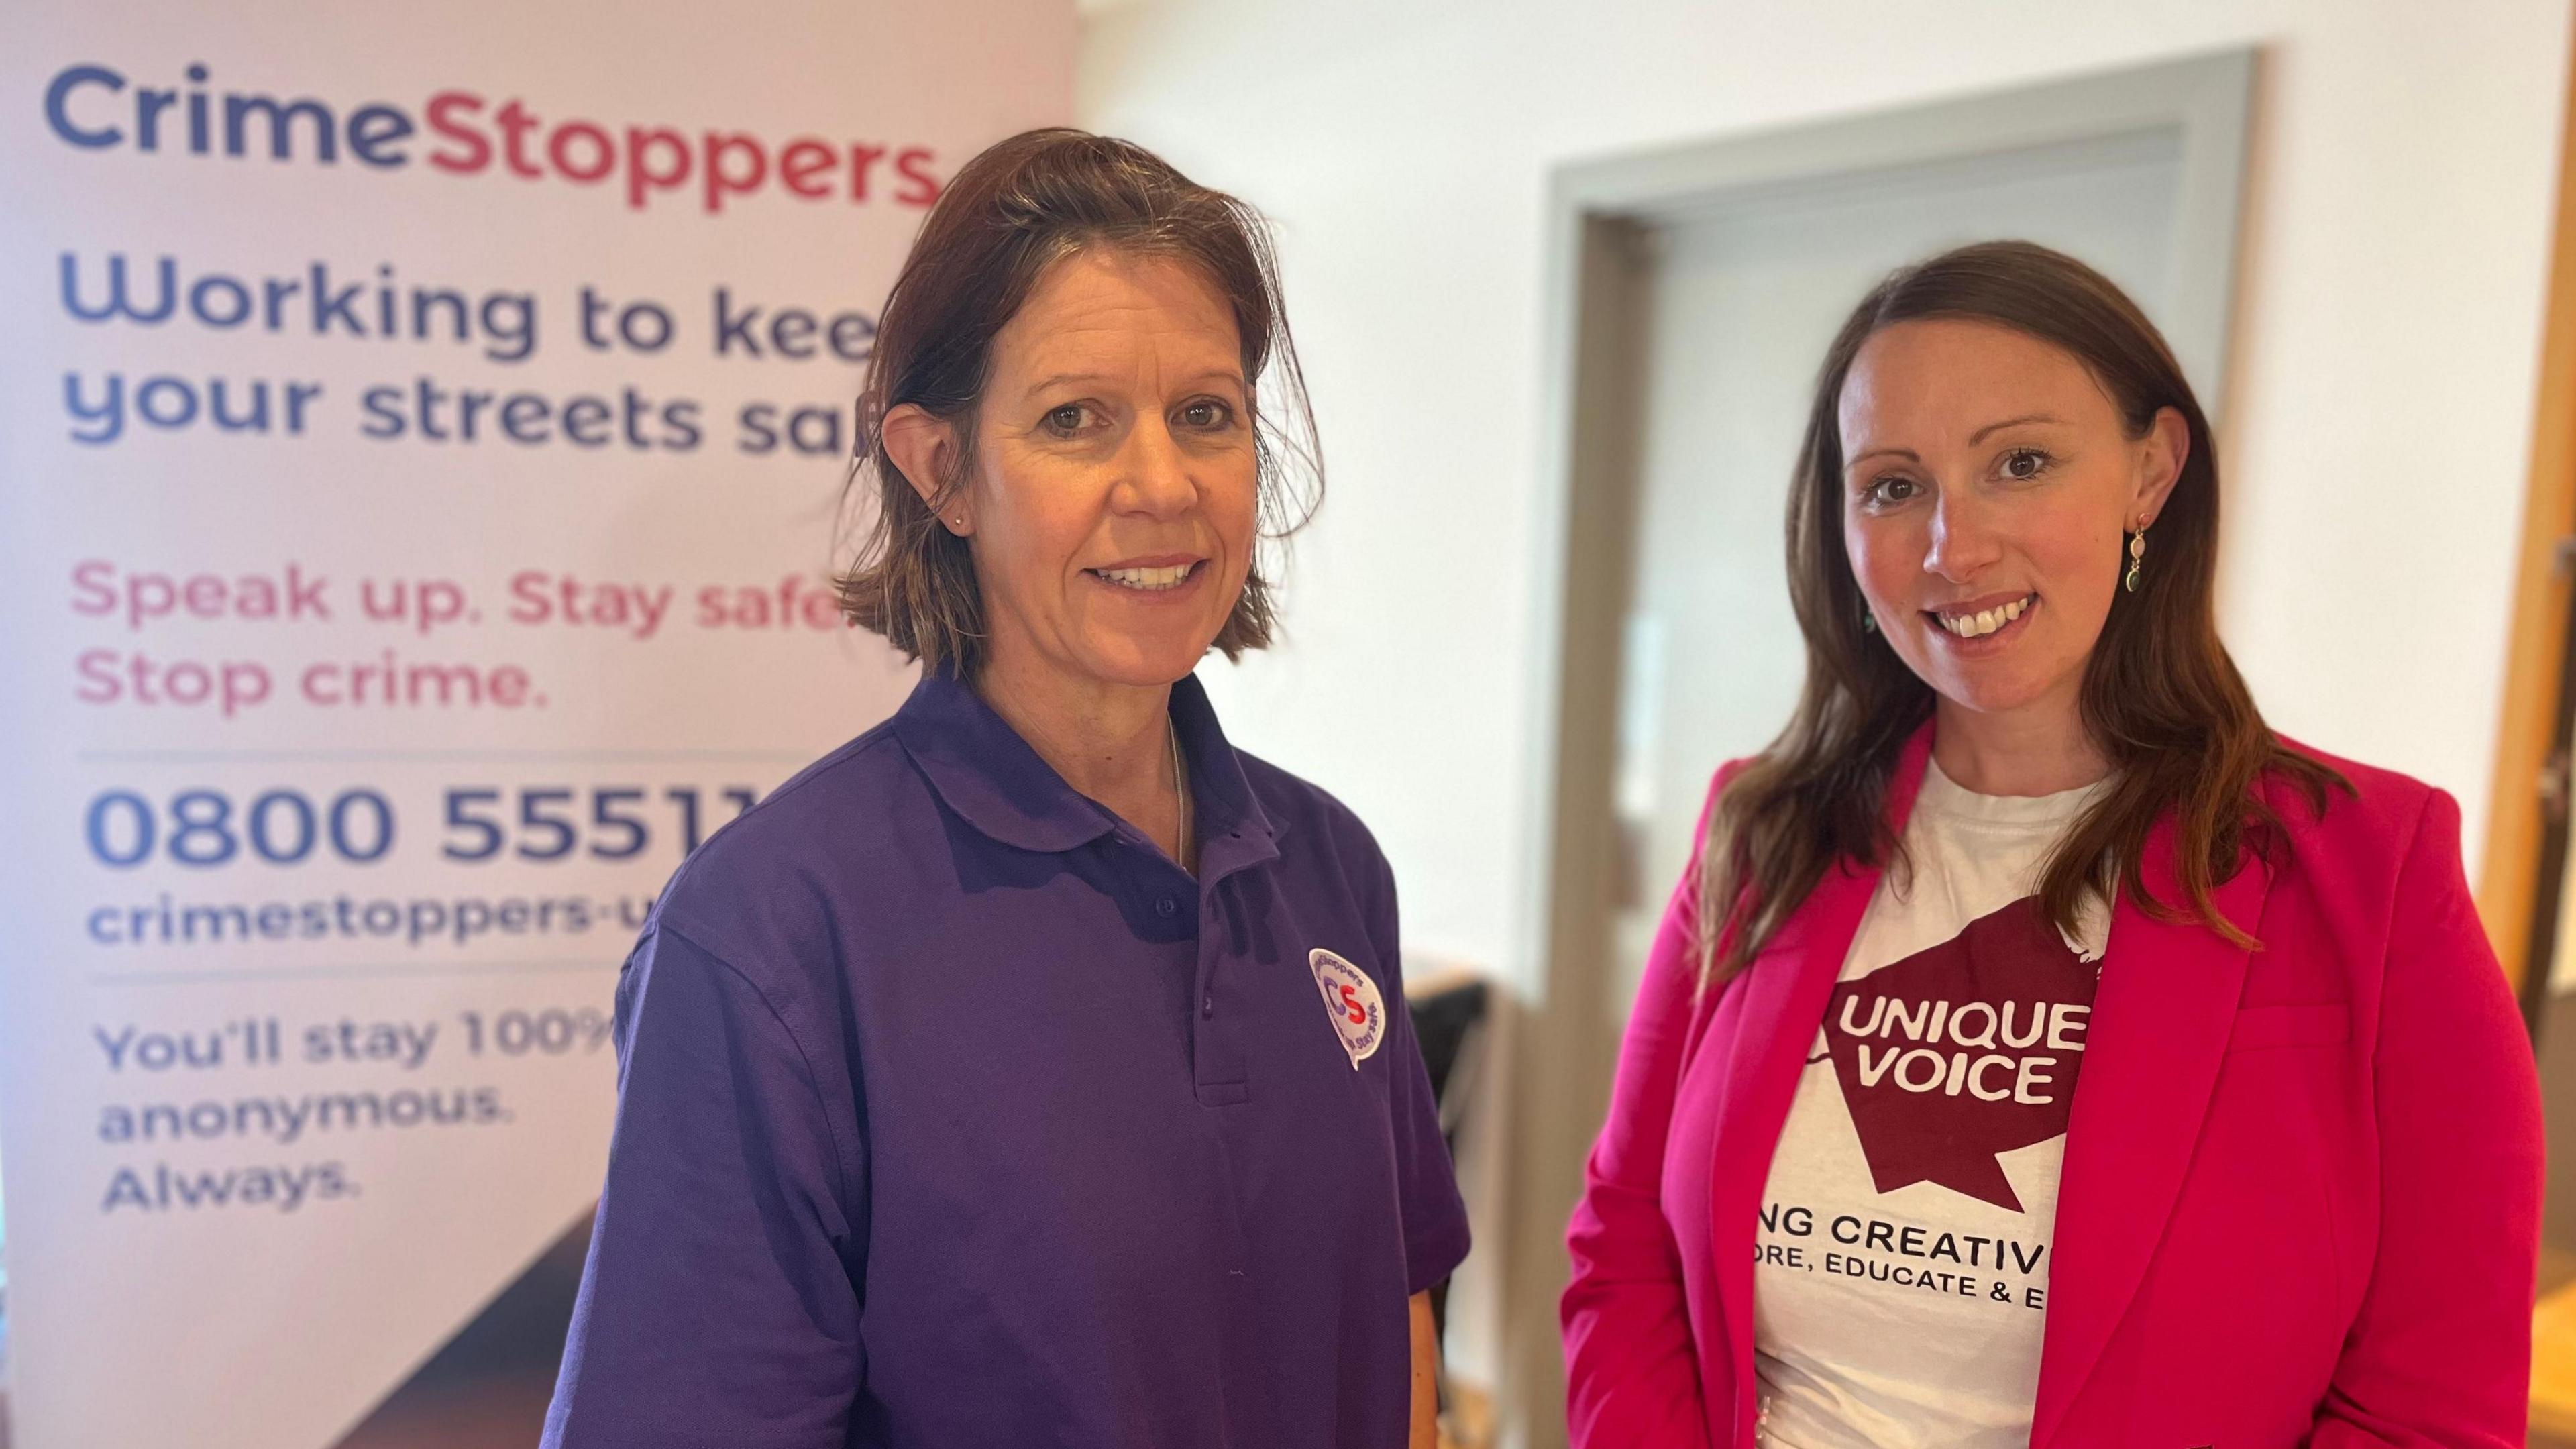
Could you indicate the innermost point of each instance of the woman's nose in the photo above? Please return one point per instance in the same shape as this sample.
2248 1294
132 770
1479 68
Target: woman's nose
1156 472
1961 543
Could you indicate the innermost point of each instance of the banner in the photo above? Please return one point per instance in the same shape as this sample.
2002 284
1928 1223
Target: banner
422 430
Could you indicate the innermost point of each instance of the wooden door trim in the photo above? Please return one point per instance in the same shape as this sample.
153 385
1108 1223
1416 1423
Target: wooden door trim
2536 648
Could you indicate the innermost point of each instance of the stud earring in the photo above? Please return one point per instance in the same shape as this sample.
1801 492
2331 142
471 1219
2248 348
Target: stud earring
2137 554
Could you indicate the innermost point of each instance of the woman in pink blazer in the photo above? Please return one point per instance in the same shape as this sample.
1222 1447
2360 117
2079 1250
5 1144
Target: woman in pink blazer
2068 1061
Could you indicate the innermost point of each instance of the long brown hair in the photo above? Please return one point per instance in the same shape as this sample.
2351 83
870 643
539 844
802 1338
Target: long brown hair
1020 207
2160 696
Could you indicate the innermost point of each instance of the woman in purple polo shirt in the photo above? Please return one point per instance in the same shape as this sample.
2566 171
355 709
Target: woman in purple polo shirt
1034 1069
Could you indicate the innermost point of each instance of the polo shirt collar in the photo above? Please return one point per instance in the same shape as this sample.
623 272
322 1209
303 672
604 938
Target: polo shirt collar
1218 787
994 781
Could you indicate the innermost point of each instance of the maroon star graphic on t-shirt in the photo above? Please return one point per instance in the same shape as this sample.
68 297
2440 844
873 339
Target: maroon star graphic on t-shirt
1963 1051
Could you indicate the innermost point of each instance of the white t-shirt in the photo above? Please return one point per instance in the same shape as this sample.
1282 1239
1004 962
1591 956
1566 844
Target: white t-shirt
1903 1253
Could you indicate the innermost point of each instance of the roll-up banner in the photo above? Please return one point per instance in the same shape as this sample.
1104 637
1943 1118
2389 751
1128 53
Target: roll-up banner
422 432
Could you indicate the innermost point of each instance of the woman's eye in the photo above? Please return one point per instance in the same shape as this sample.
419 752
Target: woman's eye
1892 490
1206 413
1066 420
2025 463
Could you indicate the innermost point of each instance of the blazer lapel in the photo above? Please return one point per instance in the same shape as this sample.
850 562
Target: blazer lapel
1784 991
2158 1036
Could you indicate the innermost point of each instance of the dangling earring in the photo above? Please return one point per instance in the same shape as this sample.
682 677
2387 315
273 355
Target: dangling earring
1868 620
2137 553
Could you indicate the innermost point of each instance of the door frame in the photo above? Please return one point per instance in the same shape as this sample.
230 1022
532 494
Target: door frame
1600 217
2521 880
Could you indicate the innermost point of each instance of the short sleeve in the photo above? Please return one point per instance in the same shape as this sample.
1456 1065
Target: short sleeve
720 1303
1435 1219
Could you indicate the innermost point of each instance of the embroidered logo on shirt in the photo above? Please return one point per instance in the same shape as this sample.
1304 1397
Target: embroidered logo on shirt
1962 1052
1352 1001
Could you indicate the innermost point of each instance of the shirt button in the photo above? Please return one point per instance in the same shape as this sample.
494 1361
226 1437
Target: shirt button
1165 907
1207 1006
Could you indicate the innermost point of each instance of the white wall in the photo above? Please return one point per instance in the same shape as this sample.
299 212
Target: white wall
2383 366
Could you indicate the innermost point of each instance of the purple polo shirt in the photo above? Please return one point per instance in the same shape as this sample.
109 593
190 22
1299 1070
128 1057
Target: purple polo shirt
952 1114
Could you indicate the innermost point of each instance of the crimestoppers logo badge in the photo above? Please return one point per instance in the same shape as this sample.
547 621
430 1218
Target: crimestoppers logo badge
1962 1052
1352 1001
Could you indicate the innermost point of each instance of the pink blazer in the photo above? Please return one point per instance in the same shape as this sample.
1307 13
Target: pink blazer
2301 1195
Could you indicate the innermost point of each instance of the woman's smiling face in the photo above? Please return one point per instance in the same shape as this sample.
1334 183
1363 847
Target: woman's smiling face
1112 499
1988 480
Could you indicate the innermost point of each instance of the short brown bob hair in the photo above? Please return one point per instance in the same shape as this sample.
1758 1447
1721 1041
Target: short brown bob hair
1013 212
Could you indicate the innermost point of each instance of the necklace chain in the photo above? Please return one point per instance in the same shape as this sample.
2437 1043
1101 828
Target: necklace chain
1180 796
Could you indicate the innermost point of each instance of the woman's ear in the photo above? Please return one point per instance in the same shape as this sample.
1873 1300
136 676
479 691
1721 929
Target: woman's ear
2167 448
924 449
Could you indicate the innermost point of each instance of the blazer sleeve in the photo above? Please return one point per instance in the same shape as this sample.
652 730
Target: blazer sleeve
1632 1369
2439 1352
